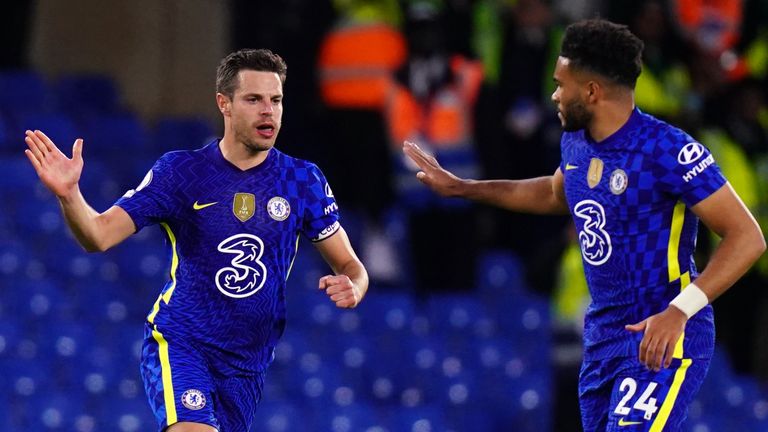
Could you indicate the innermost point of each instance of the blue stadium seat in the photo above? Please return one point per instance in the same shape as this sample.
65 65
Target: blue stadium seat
55 411
521 403
6 138
353 354
102 183
471 417
420 418
455 313
421 361
312 379
57 126
23 91
14 256
63 256
25 378
39 301
500 273
386 313
40 216
115 137
314 312
86 94
144 256
181 133
281 416
526 320
19 178
355 416
126 415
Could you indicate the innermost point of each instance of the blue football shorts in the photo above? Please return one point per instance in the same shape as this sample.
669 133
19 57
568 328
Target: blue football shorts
181 387
620 394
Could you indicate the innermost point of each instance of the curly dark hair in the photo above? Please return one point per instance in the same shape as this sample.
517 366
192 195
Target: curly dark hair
605 48
262 60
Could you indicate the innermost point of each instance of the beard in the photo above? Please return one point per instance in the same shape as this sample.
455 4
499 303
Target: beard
255 145
575 116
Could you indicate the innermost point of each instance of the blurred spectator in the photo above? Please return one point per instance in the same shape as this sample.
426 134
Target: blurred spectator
308 20
712 29
356 64
433 104
517 132
663 88
738 141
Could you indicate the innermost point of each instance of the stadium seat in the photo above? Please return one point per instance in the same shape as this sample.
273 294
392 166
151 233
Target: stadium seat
280 416
25 377
386 312
525 320
115 137
14 255
10 335
521 403
86 94
126 415
38 301
23 91
60 128
55 411
417 419
471 417
181 133
102 184
356 416
455 313
6 137
500 274
19 178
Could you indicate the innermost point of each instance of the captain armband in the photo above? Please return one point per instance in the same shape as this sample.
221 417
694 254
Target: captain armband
691 300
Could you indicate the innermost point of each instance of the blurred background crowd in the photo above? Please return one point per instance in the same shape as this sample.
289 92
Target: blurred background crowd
487 304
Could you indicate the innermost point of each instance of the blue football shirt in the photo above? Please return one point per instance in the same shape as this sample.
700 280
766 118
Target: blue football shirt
630 197
233 236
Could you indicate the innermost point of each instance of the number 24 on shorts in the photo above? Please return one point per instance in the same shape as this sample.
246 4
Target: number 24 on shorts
644 403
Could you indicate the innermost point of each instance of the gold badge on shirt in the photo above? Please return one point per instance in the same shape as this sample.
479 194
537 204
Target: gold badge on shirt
595 172
243 206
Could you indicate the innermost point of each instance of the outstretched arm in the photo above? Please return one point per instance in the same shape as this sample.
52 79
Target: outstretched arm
541 195
94 231
742 244
348 285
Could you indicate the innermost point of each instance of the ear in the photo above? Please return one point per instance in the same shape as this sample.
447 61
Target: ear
594 91
224 104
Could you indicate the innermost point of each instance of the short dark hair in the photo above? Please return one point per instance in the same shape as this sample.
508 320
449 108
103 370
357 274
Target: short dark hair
261 60
605 48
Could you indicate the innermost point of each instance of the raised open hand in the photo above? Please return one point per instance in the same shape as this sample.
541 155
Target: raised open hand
432 174
58 173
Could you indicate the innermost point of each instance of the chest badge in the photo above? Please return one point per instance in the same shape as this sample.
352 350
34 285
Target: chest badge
618 181
595 172
243 206
278 208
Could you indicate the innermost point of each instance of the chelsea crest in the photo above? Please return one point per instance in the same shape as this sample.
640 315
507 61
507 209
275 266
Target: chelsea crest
278 208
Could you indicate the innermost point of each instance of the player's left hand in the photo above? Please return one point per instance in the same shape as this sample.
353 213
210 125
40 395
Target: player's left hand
662 331
341 290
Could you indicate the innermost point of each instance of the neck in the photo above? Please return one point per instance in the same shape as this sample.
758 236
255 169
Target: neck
239 155
610 116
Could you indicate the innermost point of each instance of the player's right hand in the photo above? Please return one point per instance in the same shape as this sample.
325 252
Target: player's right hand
432 174
58 173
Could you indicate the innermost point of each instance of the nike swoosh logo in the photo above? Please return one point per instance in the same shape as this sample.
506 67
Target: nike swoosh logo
569 167
197 206
623 422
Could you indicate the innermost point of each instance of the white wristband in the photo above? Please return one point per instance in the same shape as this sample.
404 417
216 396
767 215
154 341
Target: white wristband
691 300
